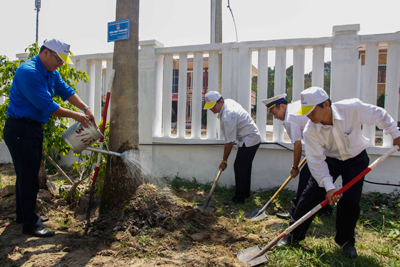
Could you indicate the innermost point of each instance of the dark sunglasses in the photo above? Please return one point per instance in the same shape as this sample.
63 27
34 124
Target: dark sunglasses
57 57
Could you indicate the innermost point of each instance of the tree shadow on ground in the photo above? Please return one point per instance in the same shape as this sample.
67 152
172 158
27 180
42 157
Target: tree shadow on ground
18 248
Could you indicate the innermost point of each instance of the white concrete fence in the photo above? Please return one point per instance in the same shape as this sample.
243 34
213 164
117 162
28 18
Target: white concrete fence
199 157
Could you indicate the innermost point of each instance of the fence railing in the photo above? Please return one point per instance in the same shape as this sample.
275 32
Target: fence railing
230 70
348 78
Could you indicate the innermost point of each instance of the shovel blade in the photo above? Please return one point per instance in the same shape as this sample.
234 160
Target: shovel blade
247 256
251 214
260 217
205 209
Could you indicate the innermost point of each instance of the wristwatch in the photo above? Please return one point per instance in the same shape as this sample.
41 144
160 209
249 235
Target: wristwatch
295 168
86 108
224 161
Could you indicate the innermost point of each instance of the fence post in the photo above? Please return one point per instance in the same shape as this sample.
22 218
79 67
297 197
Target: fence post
344 69
392 85
298 72
262 92
148 94
279 88
369 83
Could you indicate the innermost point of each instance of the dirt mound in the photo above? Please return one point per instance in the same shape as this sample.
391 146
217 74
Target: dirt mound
151 208
155 227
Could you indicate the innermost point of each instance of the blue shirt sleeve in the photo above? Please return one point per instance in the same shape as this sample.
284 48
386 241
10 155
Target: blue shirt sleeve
61 88
34 89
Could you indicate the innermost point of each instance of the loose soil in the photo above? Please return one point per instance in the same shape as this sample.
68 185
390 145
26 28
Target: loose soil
162 227
156 227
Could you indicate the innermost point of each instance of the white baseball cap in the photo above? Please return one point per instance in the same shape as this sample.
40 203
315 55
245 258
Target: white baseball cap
310 98
273 101
211 98
62 49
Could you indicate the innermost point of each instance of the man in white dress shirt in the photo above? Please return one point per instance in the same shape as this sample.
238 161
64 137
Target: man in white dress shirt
236 125
334 147
294 125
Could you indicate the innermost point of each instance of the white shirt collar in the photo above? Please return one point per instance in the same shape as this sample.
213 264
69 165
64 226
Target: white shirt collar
286 115
335 116
221 111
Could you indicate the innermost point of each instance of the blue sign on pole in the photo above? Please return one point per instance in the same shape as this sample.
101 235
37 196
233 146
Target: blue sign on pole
119 30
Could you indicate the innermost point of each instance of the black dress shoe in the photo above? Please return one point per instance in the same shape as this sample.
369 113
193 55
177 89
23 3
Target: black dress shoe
286 241
284 215
283 243
40 231
350 251
43 219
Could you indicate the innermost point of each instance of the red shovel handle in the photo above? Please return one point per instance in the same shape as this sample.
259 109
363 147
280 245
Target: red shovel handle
103 127
344 188
348 185
323 203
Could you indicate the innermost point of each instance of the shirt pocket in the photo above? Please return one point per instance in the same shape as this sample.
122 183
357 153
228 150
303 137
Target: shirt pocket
354 141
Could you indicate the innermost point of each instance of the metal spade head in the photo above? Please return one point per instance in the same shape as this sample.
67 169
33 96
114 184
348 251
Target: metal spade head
252 215
260 217
247 256
205 208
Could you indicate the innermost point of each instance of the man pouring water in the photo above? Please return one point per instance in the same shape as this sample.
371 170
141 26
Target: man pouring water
31 105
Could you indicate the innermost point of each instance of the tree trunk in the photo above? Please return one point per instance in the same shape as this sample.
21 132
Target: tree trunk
42 175
119 185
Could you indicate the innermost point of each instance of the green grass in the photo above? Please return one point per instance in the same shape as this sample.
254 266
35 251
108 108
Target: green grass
378 229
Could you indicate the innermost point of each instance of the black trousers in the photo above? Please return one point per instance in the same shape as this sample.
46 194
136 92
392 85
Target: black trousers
24 140
348 207
304 177
242 167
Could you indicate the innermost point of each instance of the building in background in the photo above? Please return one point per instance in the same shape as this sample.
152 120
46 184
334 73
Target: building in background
382 59
189 87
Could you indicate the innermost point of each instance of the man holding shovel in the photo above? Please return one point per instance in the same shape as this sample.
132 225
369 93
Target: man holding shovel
335 147
31 104
294 125
236 125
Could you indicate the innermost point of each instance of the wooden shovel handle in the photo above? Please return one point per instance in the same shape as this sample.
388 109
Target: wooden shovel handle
216 181
280 189
287 181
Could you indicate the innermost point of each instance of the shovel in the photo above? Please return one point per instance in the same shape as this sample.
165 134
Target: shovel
205 207
254 256
97 164
257 215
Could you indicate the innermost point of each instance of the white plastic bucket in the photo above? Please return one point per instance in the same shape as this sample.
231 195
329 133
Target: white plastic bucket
78 137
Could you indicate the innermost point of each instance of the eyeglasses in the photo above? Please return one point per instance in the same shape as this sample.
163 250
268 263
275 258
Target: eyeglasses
58 58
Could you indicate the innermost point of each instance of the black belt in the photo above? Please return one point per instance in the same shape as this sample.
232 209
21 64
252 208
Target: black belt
28 120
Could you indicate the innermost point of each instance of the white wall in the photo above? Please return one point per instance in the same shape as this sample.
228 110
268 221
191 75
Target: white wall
271 167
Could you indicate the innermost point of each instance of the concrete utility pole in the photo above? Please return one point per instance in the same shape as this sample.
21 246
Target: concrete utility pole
119 184
216 31
37 8
216 21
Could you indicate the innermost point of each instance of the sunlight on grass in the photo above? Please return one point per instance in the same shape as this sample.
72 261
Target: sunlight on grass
377 231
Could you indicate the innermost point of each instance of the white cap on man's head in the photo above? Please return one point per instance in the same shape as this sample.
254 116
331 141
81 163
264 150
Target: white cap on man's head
273 101
310 98
211 98
62 49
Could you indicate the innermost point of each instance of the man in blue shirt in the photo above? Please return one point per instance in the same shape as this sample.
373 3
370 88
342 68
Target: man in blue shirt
31 104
